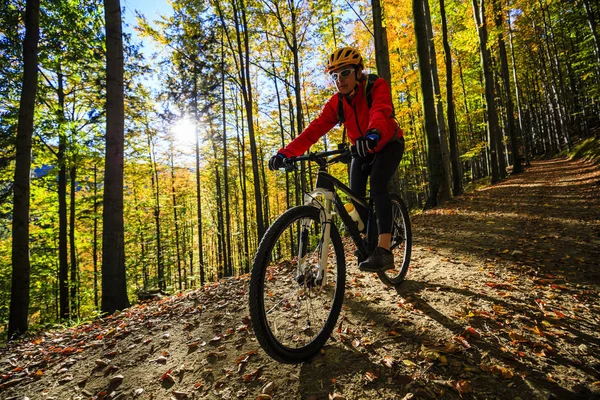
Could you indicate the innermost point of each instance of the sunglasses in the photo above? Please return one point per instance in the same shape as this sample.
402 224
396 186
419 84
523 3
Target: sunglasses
343 74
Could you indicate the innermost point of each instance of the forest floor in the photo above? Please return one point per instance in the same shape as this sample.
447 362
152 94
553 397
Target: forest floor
501 302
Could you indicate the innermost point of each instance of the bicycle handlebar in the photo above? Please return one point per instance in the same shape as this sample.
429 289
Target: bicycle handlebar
343 152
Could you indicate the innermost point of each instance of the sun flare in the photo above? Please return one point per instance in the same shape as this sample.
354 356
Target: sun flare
184 132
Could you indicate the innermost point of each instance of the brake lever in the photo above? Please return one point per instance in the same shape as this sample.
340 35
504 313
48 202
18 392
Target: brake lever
288 165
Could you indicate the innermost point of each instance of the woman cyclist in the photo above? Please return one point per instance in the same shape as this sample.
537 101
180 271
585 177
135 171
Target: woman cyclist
374 132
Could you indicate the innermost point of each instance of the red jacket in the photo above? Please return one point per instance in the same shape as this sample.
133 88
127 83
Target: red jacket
359 119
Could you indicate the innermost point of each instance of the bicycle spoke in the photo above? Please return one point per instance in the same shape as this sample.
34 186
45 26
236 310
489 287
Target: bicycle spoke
401 244
297 306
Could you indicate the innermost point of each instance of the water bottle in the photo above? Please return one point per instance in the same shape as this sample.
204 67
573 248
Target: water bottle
354 215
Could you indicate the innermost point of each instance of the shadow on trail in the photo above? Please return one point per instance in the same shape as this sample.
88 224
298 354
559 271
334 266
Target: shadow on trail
535 233
318 376
536 382
547 219
529 383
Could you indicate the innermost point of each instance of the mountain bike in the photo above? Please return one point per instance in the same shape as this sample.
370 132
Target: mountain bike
299 272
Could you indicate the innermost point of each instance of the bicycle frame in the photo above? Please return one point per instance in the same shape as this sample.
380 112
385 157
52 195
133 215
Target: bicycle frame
325 188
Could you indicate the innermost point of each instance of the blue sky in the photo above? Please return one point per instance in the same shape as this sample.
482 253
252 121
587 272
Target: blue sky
152 9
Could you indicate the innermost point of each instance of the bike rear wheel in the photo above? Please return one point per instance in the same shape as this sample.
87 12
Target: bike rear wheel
292 312
401 244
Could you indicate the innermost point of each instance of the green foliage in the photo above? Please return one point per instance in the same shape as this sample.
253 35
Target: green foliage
588 149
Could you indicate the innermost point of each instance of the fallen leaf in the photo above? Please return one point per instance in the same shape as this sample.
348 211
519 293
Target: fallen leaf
409 363
539 331
167 375
462 341
253 375
463 387
180 395
65 379
219 384
370 376
470 331
216 339
268 388
388 361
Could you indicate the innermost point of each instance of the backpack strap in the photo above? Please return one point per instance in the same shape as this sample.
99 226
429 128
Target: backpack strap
340 115
369 93
371 78
340 110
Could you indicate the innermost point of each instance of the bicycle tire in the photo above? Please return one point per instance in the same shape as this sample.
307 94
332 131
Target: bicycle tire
401 244
258 314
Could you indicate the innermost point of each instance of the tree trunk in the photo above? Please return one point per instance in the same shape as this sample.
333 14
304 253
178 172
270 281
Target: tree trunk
243 52
445 186
74 284
510 113
524 135
198 186
222 268
176 221
492 116
290 37
21 267
63 254
241 145
382 55
434 156
114 285
156 191
265 186
227 233
281 126
382 60
457 188
465 103
95 240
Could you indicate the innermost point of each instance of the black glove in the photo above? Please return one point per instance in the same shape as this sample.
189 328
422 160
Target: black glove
276 162
366 144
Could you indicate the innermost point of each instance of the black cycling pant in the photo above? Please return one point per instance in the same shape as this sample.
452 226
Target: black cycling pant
379 167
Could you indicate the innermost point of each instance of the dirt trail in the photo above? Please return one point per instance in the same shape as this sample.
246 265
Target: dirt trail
501 302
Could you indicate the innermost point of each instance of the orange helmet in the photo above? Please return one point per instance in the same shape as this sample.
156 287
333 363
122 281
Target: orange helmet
343 57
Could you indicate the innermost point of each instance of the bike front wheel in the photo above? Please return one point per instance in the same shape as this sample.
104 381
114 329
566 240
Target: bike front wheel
294 304
401 244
